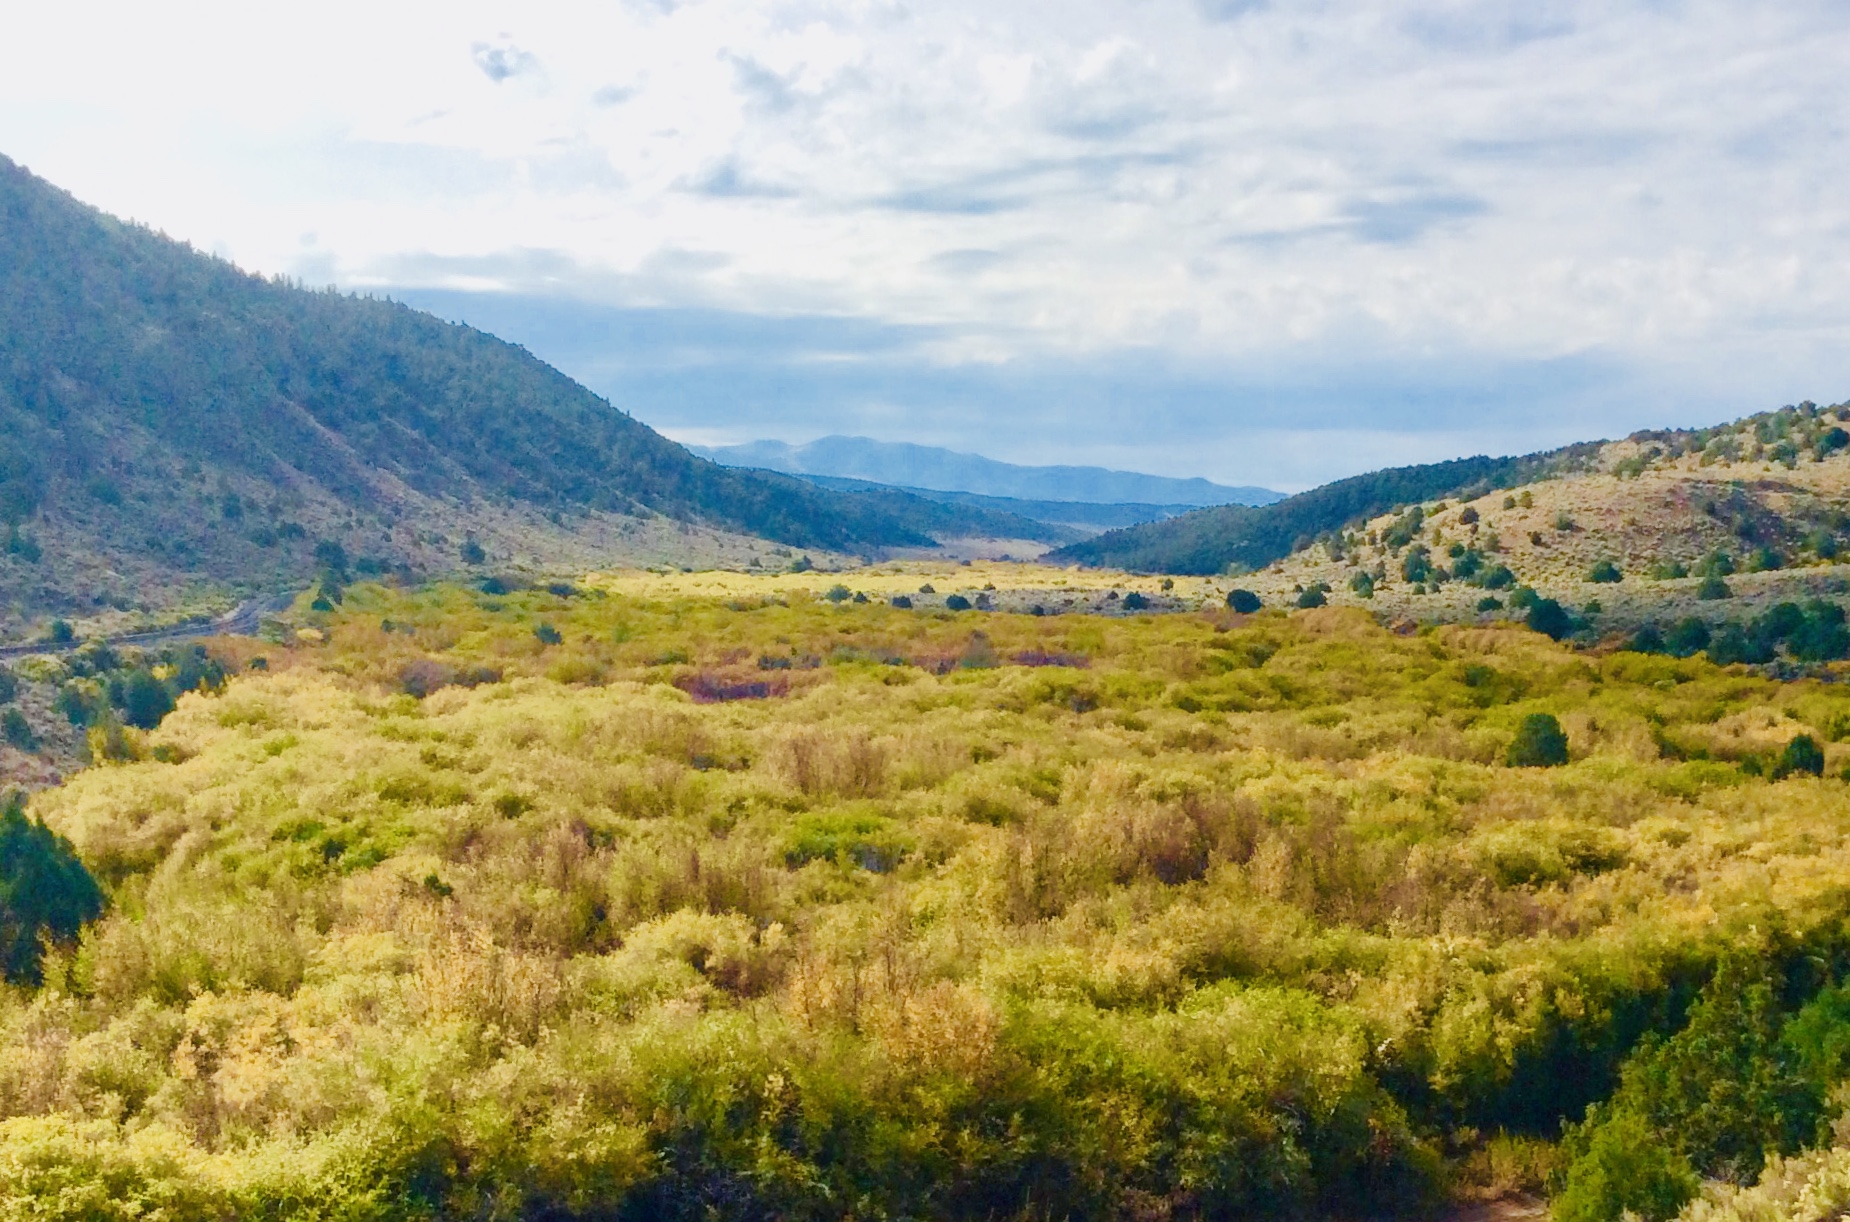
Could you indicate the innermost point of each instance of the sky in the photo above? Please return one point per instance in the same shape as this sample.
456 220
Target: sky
1262 241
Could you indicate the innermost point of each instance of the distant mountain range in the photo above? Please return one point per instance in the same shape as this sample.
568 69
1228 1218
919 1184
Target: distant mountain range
901 464
1070 520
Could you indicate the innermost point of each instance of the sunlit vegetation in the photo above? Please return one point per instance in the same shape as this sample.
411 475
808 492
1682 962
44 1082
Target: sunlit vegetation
582 902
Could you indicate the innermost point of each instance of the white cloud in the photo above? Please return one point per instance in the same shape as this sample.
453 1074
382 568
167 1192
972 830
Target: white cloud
1219 181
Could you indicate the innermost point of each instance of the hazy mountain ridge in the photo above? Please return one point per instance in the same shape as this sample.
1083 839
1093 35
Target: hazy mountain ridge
933 468
1068 521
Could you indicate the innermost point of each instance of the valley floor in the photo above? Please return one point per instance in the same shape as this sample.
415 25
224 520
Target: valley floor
702 895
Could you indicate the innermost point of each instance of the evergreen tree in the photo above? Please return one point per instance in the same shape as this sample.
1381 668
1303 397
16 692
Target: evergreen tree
45 891
1539 743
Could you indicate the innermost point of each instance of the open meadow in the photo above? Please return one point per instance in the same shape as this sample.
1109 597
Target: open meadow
709 896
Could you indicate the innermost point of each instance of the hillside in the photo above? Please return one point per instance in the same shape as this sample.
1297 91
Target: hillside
1215 539
609 901
906 465
1761 505
173 429
1766 483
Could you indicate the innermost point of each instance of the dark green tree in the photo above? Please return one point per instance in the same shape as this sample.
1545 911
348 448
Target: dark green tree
46 894
144 699
1802 754
17 731
1539 743
1716 1100
1604 572
1687 637
1623 1167
331 558
1648 639
1548 617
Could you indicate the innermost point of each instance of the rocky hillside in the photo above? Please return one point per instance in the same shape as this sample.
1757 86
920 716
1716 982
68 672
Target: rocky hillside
1663 523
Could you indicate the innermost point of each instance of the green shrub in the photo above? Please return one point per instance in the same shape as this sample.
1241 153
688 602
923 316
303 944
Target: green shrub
869 841
1717 1099
1624 1168
17 730
1135 601
143 699
471 553
1687 637
9 685
1490 602
79 705
1802 754
46 894
1647 639
1604 572
956 602
1539 743
1549 618
1312 596
1713 587
1244 602
839 593
546 634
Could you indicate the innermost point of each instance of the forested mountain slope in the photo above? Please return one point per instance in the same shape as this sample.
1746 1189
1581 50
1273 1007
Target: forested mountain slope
167 419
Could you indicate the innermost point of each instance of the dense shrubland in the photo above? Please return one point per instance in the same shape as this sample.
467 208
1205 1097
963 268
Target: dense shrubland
557 903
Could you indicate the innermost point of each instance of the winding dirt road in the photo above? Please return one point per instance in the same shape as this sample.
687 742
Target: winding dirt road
242 620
